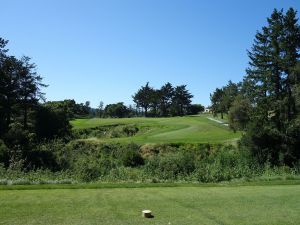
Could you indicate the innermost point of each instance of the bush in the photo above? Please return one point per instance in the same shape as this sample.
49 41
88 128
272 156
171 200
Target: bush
4 157
225 164
87 169
171 165
131 156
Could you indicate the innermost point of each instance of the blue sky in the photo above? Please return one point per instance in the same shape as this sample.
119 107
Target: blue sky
105 50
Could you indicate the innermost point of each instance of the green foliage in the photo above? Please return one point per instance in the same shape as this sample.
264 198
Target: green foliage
118 110
273 66
239 113
225 164
195 109
19 91
166 101
107 131
51 123
83 161
181 101
4 152
70 108
223 98
131 156
143 97
171 166
266 104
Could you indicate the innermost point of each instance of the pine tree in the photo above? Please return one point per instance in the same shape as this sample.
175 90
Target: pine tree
143 97
272 77
167 92
291 48
30 84
181 100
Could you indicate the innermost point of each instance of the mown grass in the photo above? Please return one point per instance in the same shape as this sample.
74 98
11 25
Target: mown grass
190 129
270 204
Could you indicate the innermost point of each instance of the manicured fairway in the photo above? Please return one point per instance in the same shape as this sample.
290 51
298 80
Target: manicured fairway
278 204
193 129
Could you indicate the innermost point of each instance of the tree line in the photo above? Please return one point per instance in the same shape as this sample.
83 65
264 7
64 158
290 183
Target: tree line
24 120
266 104
166 101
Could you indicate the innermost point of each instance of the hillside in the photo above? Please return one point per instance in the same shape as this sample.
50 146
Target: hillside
189 129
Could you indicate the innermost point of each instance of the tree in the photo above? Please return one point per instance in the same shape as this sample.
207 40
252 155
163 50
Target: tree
70 107
51 123
273 79
290 48
155 101
181 100
19 89
100 109
231 90
217 103
167 92
87 107
239 113
118 110
195 109
9 89
2 85
222 98
29 91
143 97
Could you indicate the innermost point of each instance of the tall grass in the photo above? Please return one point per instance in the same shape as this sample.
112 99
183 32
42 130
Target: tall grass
81 161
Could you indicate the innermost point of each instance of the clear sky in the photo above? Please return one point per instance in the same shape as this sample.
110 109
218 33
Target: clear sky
105 50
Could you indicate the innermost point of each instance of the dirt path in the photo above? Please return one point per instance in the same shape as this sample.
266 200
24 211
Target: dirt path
218 121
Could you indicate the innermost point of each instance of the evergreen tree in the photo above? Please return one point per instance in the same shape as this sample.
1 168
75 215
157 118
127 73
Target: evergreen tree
291 48
167 92
143 97
2 85
217 103
9 89
181 100
272 77
100 109
30 84
155 101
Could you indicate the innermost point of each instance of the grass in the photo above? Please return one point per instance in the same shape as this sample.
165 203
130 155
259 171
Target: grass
189 129
267 204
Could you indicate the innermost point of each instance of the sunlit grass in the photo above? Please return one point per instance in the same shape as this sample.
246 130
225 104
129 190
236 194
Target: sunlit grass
193 129
241 205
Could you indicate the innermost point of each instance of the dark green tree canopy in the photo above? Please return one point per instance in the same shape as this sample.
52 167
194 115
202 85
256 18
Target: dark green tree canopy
118 110
166 101
266 103
144 97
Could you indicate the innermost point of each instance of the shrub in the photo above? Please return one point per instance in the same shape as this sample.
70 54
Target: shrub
87 169
4 158
131 157
225 164
171 165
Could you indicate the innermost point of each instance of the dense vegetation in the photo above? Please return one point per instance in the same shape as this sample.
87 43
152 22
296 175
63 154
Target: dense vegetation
266 103
166 101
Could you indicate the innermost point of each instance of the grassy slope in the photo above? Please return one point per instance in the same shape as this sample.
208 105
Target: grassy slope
194 129
171 205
